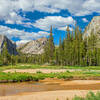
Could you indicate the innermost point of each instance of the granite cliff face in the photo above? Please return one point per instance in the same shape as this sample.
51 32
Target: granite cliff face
11 46
94 26
34 46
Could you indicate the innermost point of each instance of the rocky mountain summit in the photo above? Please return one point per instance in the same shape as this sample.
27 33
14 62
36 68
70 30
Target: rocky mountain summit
34 46
11 46
94 26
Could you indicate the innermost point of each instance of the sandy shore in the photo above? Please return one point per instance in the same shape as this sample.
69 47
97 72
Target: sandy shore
50 95
72 88
46 85
73 82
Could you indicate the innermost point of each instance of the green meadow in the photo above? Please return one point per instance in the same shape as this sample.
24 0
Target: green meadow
91 72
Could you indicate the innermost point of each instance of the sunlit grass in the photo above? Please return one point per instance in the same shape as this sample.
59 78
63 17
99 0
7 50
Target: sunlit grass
90 96
15 77
32 66
82 73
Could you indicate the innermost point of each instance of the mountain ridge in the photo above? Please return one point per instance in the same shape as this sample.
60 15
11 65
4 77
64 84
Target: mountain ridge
11 46
93 26
34 46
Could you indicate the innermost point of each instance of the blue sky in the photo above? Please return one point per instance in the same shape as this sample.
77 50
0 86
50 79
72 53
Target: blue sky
26 20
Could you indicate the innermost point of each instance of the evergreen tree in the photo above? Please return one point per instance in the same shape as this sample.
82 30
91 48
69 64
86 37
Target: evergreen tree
57 60
50 48
92 49
0 59
82 53
61 52
98 56
5 55
76 46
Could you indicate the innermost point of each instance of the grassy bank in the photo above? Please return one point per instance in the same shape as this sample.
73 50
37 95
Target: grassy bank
84 73
90 96
20 77
32 66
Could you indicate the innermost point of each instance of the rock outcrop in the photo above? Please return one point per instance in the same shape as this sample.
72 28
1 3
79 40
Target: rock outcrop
11 46
94 26
34 46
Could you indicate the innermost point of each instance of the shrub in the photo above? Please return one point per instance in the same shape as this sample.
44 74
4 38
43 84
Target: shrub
90 96
38 72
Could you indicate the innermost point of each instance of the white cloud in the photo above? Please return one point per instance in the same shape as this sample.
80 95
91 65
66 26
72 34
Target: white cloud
56 21
22 42
9 12
92 5
14 18
9 8
21 34
85 20
64 28
76 7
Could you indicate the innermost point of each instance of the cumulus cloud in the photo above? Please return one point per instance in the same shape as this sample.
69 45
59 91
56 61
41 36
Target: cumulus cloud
56 21
64 28
92 5
9 9
18 43
21 34
25 39
85 20
13 18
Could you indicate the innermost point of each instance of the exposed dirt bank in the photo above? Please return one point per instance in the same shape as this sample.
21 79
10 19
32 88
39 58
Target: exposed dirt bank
47 85
35 70
44 70
50 95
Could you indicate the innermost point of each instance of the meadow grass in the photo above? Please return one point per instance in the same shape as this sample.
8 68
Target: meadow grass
32 66
90 96
84 73
20 77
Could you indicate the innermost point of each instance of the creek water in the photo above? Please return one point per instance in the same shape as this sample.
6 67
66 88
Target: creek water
26 87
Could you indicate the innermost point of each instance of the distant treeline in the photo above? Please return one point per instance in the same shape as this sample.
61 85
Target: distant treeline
73 50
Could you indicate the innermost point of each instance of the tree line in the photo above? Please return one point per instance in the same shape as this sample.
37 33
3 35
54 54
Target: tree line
73 50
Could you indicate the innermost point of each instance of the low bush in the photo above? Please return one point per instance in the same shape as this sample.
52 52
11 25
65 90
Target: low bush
90 96
38 72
